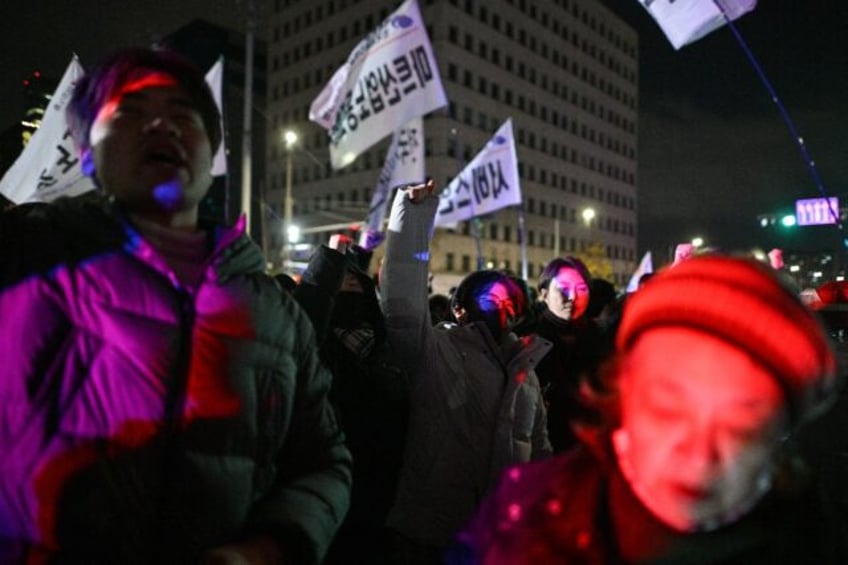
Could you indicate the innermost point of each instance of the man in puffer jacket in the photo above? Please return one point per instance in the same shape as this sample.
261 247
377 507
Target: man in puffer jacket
161 401
475 403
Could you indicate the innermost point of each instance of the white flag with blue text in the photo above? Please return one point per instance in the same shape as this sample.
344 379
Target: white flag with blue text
49 165
685 21
404 164
389 78
489 182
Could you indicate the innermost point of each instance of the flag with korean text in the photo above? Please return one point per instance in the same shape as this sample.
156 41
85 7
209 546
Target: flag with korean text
646 266
404 164
685 21
49 165
388 79
489 182
215 80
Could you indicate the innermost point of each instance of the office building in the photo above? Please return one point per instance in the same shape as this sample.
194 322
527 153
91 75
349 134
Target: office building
565 71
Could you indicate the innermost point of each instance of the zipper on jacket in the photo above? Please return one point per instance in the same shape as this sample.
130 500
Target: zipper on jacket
174 411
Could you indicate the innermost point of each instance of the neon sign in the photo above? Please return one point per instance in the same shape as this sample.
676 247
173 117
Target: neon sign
816 211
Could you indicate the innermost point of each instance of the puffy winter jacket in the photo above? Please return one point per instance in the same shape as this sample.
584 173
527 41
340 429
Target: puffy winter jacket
475 406
142 422
576 509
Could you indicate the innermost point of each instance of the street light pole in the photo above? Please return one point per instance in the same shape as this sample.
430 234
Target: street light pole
290 138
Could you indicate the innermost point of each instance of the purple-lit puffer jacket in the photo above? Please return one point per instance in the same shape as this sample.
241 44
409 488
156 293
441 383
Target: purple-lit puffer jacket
141 422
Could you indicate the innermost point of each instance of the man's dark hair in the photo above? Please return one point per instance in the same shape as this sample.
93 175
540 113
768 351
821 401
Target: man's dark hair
601 294
101 82
552 268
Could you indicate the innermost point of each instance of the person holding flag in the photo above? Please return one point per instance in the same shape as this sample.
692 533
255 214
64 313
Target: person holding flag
475 403
161 399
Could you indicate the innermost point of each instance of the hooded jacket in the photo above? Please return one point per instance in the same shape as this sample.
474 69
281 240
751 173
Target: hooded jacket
141 421
475 404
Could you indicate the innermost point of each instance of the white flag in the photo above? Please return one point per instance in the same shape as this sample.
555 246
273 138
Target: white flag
49 165
646 265
489 182
685 21
389 78
404 164
215 80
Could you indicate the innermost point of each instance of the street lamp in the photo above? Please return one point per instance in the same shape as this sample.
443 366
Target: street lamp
290 139
697 242
293 233
588 215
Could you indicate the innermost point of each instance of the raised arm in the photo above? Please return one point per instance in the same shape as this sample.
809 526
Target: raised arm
405 271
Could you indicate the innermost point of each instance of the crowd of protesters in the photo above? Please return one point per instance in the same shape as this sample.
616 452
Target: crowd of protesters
164 400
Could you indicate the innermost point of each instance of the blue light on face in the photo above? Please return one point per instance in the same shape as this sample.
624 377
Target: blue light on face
169 194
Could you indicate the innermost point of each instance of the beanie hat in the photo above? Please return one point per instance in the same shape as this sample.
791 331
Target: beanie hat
742 302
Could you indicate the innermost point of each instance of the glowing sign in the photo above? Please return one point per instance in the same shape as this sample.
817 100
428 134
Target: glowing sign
816 211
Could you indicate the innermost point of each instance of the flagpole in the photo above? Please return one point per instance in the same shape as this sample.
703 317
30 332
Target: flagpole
522 240
246 149
799 141
224 129
475 232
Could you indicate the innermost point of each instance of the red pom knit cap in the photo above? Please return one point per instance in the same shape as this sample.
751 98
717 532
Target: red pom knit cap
742 302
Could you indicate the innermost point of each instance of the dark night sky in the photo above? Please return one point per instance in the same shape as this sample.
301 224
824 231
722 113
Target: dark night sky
714 151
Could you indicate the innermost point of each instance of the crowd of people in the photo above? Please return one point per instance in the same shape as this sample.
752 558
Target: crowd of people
164 400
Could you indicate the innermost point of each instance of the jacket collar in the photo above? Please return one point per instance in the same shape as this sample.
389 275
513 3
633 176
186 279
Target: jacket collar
233 251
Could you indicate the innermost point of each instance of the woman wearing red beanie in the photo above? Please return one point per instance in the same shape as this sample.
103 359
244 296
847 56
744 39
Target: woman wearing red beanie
717 364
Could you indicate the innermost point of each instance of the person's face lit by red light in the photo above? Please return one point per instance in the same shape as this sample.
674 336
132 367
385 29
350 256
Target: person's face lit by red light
567 295
701 423
150 149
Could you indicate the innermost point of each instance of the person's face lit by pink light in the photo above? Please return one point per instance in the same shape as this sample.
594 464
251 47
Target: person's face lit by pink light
567 295
700 426
150 148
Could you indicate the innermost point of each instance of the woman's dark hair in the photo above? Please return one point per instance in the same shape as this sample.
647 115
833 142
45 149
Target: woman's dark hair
553 267
101 82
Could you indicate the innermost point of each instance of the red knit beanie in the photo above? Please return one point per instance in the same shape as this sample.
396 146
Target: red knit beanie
742 302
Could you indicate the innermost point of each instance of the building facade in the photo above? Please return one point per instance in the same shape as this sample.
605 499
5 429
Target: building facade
565 71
